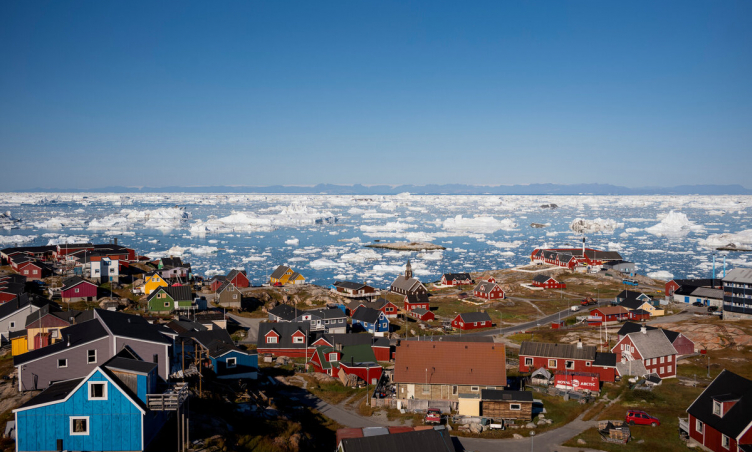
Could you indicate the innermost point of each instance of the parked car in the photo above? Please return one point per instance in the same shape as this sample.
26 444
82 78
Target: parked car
588 302
631 282
712 308
433 416
575 308
698 304
636 417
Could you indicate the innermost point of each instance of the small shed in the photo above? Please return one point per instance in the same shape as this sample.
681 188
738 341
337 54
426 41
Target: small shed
500 404
469 405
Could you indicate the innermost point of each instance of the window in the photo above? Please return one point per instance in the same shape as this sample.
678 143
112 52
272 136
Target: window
91 356
587 364
79 425
570 365
167 304
155 358
297 340
661 369
661 359
426 389
232 362
12 324
26 272
271 340
668 358
97 390
234 296
76 290
332 357
699 425
716 407
668 369
552 363
528 361
725 442
475 388
515 406
455 389
61 363
490 387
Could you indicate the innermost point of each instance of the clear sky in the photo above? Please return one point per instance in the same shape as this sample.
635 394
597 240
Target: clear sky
633 93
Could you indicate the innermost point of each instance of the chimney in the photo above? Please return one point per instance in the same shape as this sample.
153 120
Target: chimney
68 340
72 320
583 247
115 240
643 329
579 343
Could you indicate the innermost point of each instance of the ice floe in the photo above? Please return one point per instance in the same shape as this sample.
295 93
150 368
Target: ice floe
675 224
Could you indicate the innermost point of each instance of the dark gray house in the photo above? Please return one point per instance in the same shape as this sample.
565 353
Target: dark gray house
86 345
13 314
228 296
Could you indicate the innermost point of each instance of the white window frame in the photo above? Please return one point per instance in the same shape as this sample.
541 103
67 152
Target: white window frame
668 358
63 366
297 340
76 418
529 362
475 388
232 362
661 359
12 325
699 426
567 364
333 357
556 363
271 340
725 441
662 370
515 406
426 389
88 358
92 383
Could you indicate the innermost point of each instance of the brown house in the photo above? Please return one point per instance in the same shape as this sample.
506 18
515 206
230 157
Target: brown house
228 296
443 370
506 405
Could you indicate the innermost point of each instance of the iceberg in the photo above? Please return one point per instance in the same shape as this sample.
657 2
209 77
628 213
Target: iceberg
675 224
583 226
479 224
16 239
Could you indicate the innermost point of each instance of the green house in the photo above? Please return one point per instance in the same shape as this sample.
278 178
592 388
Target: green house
169 299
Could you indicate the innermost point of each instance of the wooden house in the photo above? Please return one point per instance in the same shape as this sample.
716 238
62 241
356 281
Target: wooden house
291 339
719 419
370 320
14 313
456 279
389 309
608 315
152 281
354 290
472 320
399 441
414 301
238 278
380 346
682 344
232 363
356 360
35 270
43 327
639 315
650 347
422 314
567 358
77 289
502 405
637 303
168 299
285 275
433 370
548 282
107 409
228 296
488 291
553 257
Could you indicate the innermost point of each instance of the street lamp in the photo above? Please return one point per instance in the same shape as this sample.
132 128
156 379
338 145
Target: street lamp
532 435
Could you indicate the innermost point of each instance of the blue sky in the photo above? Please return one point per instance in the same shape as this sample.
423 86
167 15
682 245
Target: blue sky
633 93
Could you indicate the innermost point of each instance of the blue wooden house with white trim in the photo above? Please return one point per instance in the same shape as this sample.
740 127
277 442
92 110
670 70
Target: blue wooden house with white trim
234 363
104 411
370 320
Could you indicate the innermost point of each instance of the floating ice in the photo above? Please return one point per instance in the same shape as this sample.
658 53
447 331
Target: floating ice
583 226
16 239
293 241
662 274
480 224
675 224
319 264
738 240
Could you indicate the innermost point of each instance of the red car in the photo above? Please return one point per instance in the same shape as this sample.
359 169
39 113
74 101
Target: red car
433 416
636 417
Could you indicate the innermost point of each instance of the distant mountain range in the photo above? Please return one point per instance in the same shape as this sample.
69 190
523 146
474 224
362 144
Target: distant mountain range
446 189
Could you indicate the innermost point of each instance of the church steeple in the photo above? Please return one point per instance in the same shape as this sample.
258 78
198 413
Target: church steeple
408 270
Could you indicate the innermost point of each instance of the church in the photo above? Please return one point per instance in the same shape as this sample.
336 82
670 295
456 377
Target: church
407 285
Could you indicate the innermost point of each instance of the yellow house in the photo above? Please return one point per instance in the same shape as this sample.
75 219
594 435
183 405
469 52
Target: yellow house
152 282
286 275
19 345
654 312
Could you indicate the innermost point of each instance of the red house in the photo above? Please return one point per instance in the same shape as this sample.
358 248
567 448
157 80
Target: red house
639 315
76 289
422 314
456 279
567 358
380 345
488 291
238 278
414 301
682 344
554 257
34 270
719 419
652 347
290 339
216 283
608 315
472 320
548 282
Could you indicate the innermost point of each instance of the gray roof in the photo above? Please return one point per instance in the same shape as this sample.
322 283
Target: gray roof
652 344
421 311
484 287
280 271
459 276
130 365
740 275
555 350
707 292
471 317
634 368
349 285
418 441
511 396
405 284
284 312
367 315
326 313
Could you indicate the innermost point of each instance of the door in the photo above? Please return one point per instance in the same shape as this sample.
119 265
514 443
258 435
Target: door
410 391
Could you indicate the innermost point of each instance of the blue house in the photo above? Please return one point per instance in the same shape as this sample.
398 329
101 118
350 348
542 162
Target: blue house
106 410
371 320
234 363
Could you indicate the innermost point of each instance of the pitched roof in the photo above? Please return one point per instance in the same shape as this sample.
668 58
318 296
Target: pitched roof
542 278
225 285
605 359
405 284
22 301
284 312
285 330
556 350
459 276
179 293
54 393
74 281
632 303
130 365
602 255
612 310
421 311
347 339
349 285
234 272
280 271
460 363
367 315
631 294
80 333
417 298
631 327
726 385
707 292
485 287
131 326
472 317
652 344
429 440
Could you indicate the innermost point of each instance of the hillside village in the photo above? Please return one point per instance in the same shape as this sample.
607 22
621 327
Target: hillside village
473 361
